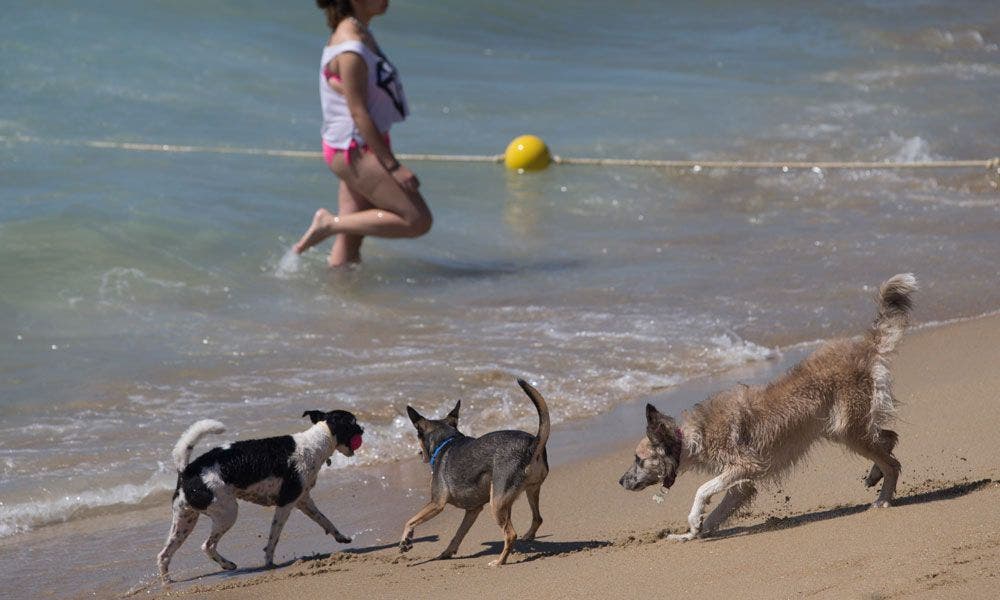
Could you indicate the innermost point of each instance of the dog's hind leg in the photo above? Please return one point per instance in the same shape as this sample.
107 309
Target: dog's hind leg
501 512
222 511
428 512
887 439
277 524
308 507
470 517
878 452
532 492
184 520
736 498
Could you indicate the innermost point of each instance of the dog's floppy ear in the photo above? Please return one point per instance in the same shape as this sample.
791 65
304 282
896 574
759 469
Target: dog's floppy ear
414 415
315 415
659 427
452 418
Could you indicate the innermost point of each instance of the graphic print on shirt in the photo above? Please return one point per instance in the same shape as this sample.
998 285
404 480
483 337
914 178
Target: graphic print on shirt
388 79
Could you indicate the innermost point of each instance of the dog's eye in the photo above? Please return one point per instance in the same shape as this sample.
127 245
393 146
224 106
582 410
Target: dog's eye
638 461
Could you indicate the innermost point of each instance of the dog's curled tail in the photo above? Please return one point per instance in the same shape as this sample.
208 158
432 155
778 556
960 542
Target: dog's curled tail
184 446
894 306
543 418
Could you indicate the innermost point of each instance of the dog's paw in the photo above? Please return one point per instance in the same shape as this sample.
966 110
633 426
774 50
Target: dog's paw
881 504
681 537
343 539
495 563
228 565
445 555
874 476
405 546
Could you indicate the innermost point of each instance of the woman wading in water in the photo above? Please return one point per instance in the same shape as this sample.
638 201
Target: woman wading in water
362 96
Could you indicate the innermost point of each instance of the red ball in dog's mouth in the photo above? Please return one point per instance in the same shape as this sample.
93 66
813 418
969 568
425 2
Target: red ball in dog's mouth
355 442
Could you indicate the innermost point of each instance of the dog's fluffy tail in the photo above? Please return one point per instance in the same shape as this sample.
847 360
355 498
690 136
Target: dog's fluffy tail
894 306
184 446
543 418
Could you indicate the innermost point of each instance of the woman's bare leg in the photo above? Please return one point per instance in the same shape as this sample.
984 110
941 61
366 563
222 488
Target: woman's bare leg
396 212
347 246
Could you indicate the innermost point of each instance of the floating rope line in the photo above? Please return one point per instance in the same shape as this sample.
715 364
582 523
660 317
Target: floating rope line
992 164
751 164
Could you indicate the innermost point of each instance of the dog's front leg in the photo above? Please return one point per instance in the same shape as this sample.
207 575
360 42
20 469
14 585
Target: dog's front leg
701 498
467 521
428 512
308 507
277 524
736 498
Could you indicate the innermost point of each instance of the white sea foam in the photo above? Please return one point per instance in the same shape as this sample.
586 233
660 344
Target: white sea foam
914 149
645 382
289 265
732 351
21 517
941 40
890 76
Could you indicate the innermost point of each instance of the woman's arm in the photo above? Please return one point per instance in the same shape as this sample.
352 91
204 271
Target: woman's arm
354 79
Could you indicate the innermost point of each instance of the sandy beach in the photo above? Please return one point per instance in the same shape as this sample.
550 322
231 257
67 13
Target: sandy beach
811 536
155 183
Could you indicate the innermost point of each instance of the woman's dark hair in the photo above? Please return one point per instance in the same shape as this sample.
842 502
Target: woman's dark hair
336 11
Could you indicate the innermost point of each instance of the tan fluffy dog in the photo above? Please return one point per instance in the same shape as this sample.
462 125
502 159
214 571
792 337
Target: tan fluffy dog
841 393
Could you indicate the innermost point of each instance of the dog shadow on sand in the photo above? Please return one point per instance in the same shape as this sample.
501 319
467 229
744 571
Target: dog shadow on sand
526 551
260 569
529 550
776 523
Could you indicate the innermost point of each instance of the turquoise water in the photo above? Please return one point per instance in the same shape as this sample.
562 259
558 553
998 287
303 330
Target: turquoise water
141 291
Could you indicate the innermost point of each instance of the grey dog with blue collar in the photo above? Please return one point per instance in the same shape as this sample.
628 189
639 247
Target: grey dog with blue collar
469 472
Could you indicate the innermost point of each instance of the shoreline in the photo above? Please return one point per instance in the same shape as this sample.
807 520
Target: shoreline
812 533
676 396
589 451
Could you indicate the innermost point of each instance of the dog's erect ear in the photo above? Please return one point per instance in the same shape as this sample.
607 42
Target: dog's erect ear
452 418
652 414
659 427
414 415
315 415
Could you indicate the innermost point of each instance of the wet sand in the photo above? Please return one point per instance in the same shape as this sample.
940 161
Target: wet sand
811 535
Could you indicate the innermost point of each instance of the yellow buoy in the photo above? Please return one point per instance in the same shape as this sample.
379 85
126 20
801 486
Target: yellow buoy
527 153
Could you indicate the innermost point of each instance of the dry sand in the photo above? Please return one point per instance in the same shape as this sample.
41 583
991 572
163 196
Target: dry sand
811 536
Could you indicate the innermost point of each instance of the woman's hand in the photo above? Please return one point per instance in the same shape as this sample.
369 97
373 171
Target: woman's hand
405 178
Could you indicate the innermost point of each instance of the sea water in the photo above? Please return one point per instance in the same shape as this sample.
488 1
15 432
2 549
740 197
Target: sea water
141 291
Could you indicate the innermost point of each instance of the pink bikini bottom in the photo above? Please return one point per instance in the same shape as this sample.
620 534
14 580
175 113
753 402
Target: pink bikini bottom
329 151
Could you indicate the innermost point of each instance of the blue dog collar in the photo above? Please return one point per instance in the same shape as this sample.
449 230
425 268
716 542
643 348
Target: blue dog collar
440 448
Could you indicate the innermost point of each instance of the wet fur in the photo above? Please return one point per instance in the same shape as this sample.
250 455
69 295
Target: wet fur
277 471
471 472
748 434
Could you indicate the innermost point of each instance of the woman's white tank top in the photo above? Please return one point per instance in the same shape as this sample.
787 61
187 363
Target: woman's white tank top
386 100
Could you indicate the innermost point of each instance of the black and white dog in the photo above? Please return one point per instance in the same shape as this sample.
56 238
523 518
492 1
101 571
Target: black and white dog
278 471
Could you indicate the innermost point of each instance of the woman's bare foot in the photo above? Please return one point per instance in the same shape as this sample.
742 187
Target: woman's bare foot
320 229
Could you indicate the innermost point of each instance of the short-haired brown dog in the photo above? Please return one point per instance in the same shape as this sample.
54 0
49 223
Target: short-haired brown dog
842 393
